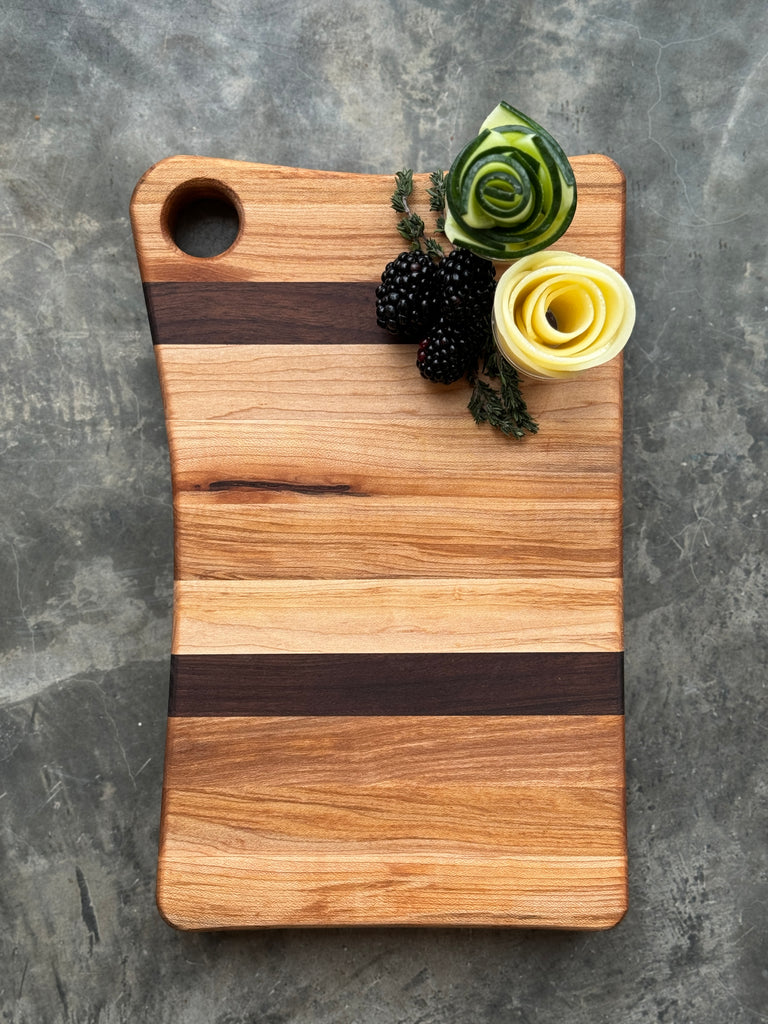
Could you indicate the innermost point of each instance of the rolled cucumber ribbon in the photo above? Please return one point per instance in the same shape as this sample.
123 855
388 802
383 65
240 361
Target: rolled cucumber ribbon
556 314
511 191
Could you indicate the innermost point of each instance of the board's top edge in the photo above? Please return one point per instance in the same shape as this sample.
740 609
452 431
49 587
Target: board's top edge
174 170
302 224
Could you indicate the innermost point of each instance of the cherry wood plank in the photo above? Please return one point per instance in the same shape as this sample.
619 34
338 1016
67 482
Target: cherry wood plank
356 814
503 810
307 225
238 532
244 753
451 457
202 887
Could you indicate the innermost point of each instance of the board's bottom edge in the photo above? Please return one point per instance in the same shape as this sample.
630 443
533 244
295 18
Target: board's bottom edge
181 920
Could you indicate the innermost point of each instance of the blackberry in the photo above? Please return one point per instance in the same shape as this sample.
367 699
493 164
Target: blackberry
467 283
406 299
446 353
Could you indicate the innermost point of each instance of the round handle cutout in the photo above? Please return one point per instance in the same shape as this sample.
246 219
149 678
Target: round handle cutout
202 218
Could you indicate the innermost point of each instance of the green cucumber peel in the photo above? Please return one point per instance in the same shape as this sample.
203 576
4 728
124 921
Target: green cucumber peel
511 190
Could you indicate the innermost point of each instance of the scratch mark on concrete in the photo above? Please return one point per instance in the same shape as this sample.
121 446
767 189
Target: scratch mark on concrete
62 993
21 983
86 907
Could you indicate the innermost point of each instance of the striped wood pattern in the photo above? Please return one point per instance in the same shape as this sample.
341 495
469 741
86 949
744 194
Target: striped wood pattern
396 688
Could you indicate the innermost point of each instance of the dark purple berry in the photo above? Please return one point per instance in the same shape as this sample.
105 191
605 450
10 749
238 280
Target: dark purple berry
467 284
445 354
406 299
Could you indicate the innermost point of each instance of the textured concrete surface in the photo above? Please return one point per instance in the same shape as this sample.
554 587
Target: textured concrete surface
95 92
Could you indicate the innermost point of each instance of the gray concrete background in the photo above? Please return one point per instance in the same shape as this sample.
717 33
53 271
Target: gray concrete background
92 94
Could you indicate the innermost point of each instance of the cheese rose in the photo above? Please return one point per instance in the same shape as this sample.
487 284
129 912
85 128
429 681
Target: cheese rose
556 314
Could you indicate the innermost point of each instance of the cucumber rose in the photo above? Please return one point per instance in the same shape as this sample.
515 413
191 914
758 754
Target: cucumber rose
556 314
511 190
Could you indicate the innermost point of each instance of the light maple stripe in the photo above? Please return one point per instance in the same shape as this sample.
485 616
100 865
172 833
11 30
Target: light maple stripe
261 382
346 616
368 457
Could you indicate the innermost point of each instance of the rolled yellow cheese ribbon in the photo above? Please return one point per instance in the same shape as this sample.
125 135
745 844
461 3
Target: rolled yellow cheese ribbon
556 314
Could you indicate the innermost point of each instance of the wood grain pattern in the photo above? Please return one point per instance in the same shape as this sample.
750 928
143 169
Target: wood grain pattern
397 671
238 531
324 616
307 225
452 458
261 382
579 751
513 820
200 886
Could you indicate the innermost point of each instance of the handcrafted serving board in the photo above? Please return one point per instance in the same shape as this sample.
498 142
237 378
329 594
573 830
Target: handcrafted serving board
396 673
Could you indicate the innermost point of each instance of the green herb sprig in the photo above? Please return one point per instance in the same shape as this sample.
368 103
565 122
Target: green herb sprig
437 192
504 407
411 227
403 188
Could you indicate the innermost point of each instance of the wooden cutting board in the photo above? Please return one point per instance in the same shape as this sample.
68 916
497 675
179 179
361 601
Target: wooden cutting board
396 683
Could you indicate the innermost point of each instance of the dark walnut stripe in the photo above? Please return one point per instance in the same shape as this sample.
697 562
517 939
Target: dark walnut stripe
264 313
221 685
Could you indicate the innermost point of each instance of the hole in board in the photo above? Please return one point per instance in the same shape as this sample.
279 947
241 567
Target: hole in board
202 220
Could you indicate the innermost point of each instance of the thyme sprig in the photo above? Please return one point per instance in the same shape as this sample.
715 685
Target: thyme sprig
434 248
403 188
437 198
411 226
437 192
502 407
412 229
